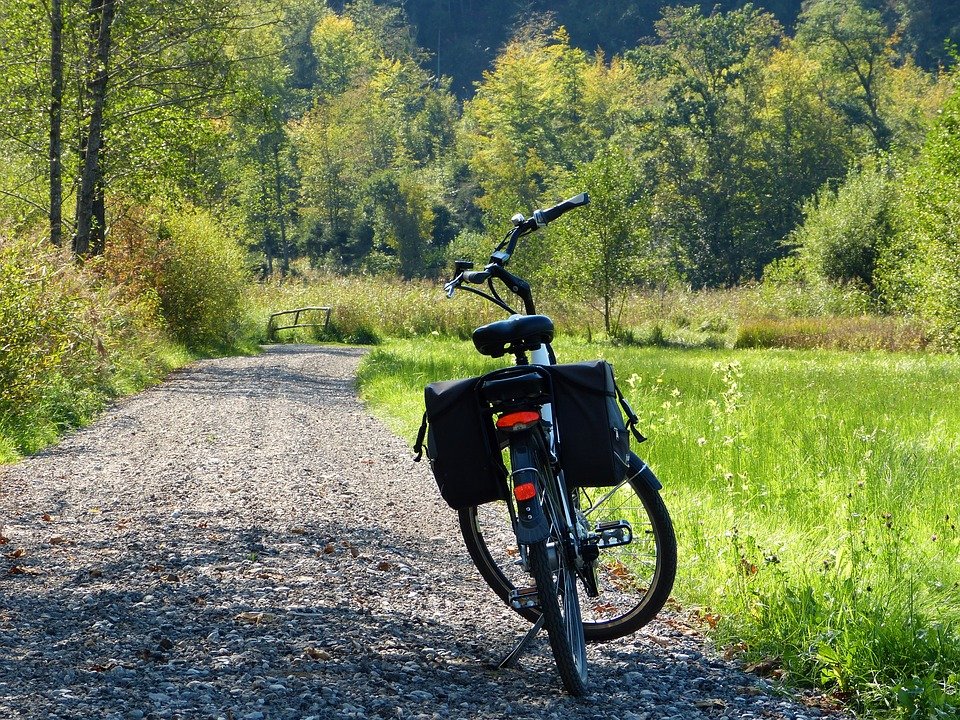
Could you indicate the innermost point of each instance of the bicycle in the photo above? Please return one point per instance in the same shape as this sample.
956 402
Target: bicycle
577 512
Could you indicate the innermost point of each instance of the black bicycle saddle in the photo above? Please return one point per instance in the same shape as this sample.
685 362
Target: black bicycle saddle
518 333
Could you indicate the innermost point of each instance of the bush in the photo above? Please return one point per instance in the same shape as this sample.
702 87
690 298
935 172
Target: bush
189 265
789 290
845 230
52 349
920 272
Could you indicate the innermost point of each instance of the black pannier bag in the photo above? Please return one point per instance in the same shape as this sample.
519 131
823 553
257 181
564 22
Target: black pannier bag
461 445
593 443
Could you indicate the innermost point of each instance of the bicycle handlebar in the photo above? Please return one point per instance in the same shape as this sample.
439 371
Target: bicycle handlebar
550 214
495 268
477 277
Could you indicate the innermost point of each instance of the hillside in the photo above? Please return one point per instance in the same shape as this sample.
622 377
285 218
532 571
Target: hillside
464 36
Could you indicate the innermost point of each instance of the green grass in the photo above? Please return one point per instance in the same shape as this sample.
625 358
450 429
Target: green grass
61 405
813 494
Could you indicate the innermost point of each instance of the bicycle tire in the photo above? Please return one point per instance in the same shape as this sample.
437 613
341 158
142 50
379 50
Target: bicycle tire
557 595
636 579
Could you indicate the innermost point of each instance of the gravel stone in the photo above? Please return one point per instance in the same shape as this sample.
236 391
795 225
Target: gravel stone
247 541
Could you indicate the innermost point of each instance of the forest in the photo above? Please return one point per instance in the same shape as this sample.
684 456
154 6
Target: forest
178 151
306 131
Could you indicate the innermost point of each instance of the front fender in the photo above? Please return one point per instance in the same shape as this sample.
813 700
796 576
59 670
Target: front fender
639 468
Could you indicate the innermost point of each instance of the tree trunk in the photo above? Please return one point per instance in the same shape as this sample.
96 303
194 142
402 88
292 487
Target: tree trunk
101 20
56 115
278 189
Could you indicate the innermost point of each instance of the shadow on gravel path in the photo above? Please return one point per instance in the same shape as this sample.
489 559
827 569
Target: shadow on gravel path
246 541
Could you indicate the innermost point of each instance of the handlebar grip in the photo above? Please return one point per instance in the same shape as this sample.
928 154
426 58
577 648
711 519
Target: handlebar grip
476 277
550 214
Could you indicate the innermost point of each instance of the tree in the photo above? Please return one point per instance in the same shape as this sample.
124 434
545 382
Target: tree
525 121
121 87
372 151
91 223
709 186
55 147
920 270
606 248
803 141
851 41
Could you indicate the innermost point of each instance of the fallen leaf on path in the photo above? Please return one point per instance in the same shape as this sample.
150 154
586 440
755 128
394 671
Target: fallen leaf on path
715 704
316 653
22 570
661 641
19 552
763 668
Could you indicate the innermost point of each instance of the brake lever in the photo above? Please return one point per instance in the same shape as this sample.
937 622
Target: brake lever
451 287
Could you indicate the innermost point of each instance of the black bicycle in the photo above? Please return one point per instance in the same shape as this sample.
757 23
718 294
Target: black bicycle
573 511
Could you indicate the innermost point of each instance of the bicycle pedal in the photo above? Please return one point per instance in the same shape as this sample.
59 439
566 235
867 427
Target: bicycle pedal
524 598
614 534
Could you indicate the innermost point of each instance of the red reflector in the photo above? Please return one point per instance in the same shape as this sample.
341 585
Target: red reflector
510 421
524 492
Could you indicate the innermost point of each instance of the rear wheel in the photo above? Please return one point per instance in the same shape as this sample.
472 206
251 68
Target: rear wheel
634 579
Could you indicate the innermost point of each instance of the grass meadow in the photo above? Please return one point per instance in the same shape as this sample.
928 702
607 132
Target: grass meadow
814 497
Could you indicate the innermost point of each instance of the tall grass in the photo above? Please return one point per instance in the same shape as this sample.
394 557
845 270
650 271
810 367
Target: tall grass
368 309
813 498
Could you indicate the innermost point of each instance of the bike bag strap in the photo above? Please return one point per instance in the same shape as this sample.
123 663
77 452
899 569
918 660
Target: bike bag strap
632 419
421 434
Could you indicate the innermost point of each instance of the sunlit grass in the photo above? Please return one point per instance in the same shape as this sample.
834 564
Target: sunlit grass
813 497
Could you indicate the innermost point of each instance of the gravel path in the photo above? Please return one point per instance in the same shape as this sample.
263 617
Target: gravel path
246 541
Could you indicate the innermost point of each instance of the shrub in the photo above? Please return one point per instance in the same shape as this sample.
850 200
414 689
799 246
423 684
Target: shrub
845 230
921 270
52 349
189 265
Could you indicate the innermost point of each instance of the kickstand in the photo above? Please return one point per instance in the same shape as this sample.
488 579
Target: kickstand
511 659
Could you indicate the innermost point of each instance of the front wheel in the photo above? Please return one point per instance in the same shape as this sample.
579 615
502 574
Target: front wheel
634 579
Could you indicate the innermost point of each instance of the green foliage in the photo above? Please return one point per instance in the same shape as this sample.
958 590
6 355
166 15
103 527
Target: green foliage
48 335
707 127
69 339
524 121
920 270
201 277
601 250
371 150
847 229
853 44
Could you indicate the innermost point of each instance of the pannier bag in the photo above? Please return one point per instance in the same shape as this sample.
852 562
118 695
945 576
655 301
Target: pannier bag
464 453
592 438
461 445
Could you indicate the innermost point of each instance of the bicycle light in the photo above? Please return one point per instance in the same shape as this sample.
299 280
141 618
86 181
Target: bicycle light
525 491
521 420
